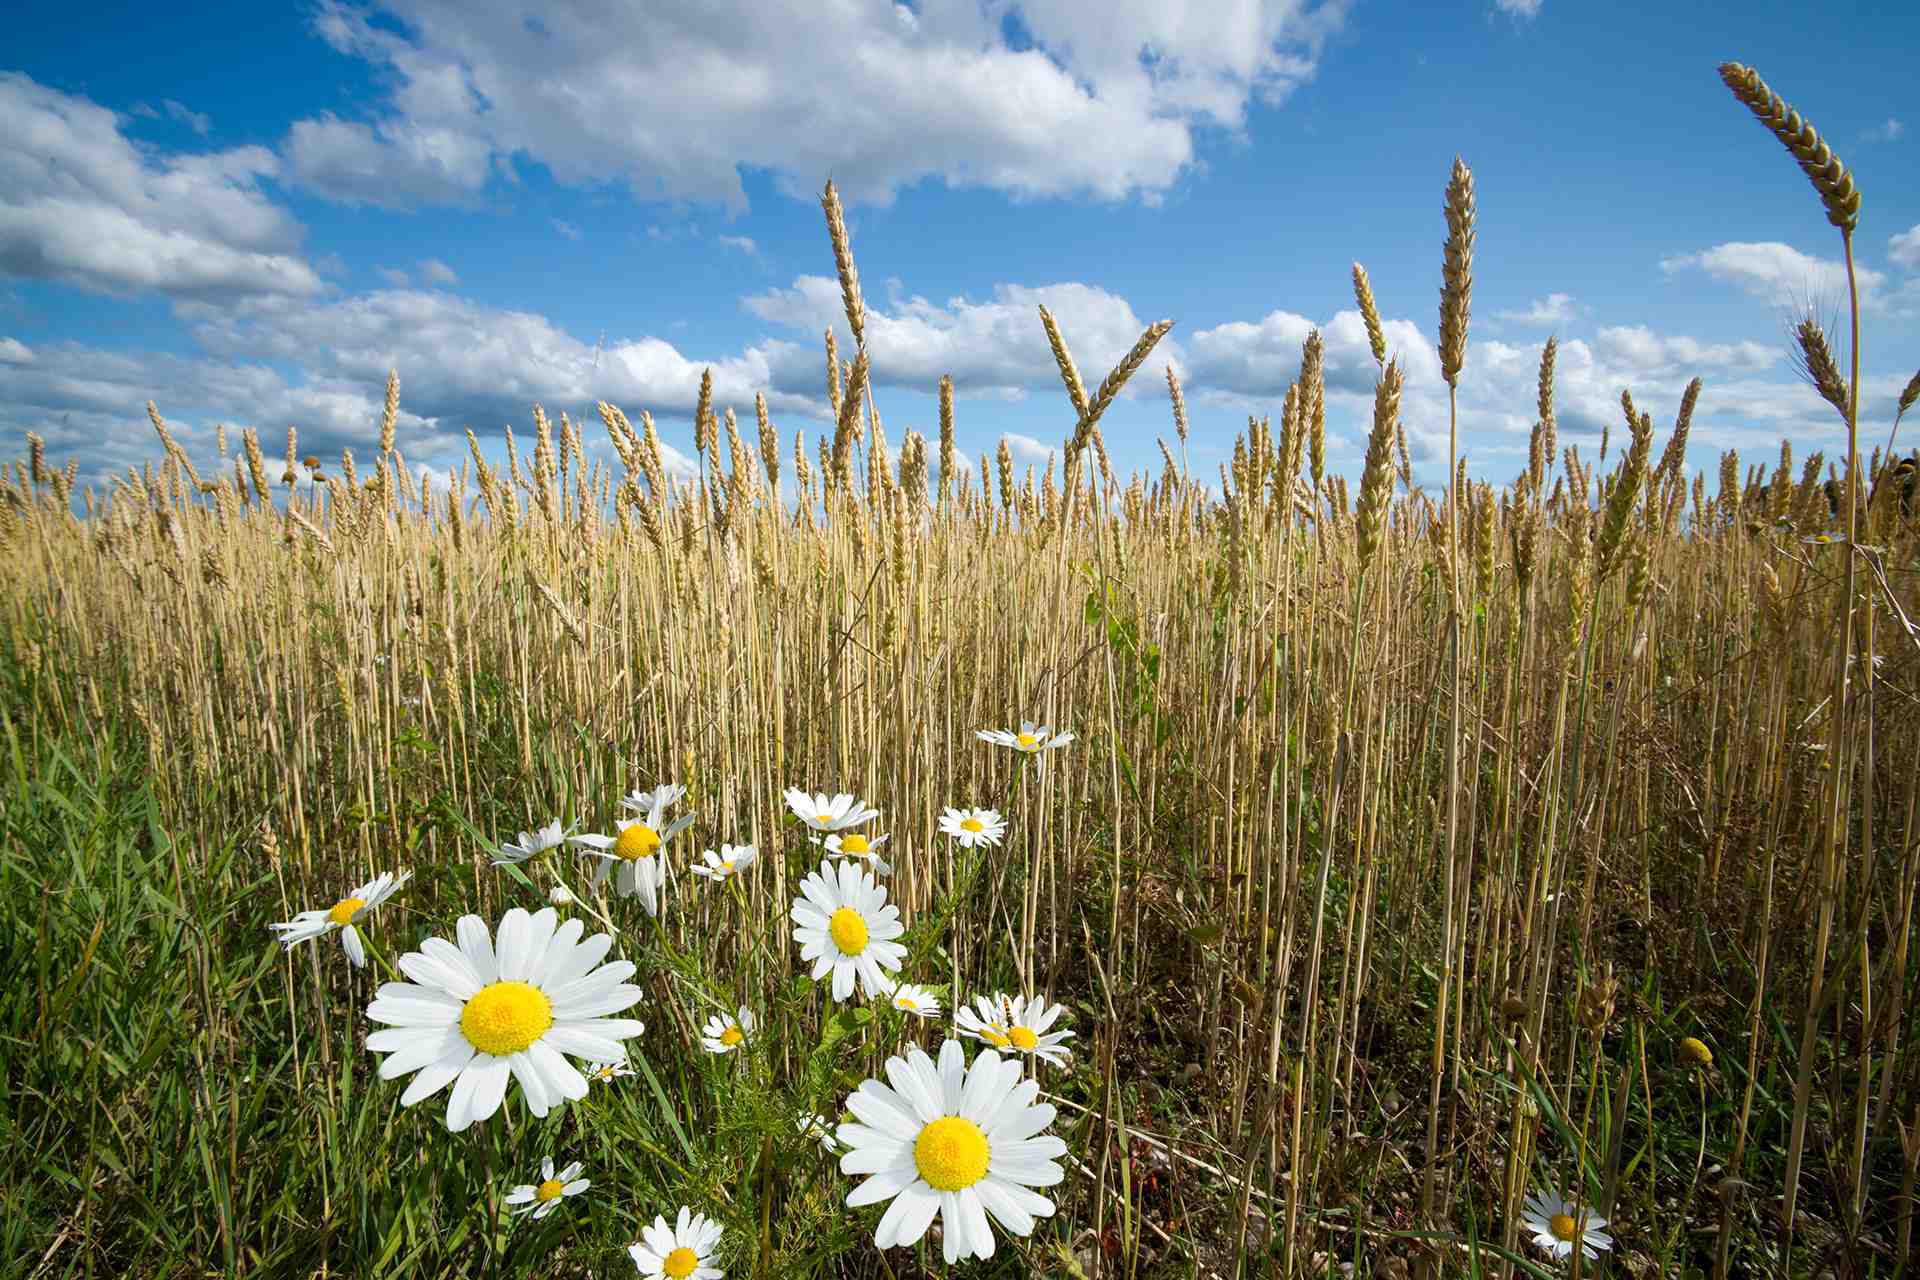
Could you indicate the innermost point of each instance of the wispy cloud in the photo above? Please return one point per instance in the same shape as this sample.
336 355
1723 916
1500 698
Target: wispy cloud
1518 8
1890 131
1554 309
1904 248
1778 273
565 228
744 244
434 271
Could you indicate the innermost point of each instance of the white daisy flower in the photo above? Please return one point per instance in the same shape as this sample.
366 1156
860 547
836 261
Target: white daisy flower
824 814
480 1011
818 1126
970 827
915 1000
679 1251
1032 739
730 861
341 915
532 844
1015 1022
608 1072
1557 1226
724 1033
542 1199
635 846
954 1141
845 925
855 845
655 800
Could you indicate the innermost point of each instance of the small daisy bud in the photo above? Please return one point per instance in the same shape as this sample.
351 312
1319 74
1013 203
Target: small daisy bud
1695 1053
561 896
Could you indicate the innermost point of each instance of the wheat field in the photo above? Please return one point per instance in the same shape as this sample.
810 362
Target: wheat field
1418 859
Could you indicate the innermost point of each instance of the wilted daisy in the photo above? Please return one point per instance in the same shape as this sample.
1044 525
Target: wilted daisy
915 1000
1557 1226
855 845
954 1141
532 844
678 1251
1016 1022
635 846
724 1032
608 1072
970 827
730 861
824 814
481 1011
821 1128
341 915
845 925
1031 740
542 1199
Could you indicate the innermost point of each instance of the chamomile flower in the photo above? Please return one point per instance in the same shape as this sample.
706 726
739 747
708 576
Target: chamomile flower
543 1198
1032 739
970 827
845 925
1557 1226
608 1072
818 1126
487 1009
653 801
824 814
679 1251
635 846
1016 1022
955 1141
342 915
908 998
729 862
532 844
724 1032
855 845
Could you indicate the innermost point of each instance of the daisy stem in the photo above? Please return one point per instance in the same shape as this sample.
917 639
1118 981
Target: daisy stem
366 940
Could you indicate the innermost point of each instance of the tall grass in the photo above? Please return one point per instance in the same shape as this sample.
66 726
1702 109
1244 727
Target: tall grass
1402 842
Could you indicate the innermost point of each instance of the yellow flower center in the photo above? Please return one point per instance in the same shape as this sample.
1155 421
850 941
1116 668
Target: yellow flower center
1022 1038
907 1002
732 1036
726 866
951 1153
503 1018
994 1037
343 910
549 1190
854 844
1562 1226
1026 740
849 931
680 1263
637 841
1696 1052
972 824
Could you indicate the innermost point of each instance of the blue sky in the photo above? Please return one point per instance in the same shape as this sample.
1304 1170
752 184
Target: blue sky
249 215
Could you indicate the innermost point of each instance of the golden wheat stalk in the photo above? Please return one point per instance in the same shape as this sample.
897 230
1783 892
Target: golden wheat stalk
1369 315
1830 177
1456 291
